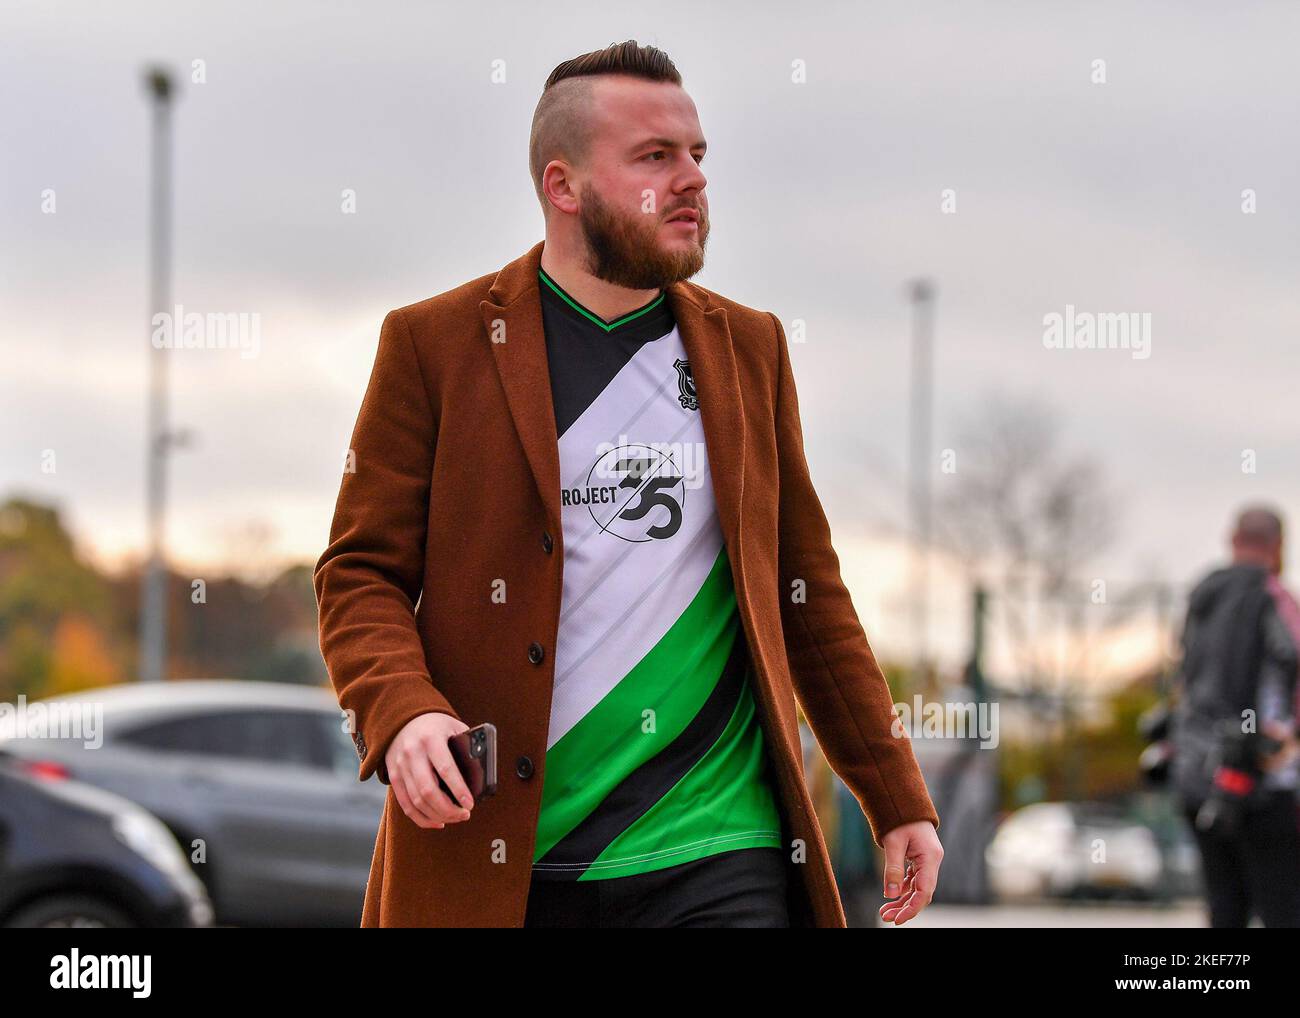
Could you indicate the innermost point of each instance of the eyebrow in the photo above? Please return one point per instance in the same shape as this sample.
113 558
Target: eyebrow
702 145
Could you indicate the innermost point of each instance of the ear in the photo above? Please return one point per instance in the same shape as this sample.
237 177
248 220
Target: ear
558 188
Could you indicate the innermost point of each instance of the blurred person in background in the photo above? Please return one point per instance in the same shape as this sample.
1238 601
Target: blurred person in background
1235 761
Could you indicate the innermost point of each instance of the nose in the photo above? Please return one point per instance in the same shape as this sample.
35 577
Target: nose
693 179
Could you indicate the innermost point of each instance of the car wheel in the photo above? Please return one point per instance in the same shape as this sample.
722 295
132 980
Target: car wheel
69 911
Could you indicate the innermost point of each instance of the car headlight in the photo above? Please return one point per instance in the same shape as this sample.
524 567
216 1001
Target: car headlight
149 838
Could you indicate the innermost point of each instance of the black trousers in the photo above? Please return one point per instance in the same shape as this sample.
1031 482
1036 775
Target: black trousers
741 888
1257 871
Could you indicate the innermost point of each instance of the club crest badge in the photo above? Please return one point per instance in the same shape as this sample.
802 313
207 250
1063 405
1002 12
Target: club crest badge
686 385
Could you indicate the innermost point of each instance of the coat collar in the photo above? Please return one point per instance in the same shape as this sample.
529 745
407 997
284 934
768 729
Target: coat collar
512 316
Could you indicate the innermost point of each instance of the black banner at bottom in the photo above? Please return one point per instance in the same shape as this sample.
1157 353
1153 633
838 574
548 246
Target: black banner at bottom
1031 967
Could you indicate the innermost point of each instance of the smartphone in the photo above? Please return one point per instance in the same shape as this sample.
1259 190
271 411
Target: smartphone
475 753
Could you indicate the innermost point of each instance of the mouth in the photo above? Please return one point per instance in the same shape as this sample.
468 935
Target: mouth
687 217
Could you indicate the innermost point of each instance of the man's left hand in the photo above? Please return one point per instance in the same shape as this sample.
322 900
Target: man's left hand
912 858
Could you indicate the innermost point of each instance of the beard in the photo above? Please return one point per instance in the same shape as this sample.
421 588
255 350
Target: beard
625 250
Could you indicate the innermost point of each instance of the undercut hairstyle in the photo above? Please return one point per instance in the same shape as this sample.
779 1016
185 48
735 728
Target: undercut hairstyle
562 123
1258 526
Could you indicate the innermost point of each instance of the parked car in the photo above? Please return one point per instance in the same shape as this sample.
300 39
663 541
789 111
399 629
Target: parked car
257 781
76 856
1057 849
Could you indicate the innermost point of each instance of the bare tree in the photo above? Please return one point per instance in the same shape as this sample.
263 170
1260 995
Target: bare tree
1024 516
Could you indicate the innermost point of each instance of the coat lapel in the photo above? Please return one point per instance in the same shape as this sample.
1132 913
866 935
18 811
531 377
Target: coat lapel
512 316
712 357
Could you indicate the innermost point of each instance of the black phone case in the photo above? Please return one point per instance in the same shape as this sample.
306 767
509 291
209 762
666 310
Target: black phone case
475 753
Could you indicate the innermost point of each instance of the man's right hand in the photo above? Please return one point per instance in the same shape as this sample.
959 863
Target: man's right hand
419 750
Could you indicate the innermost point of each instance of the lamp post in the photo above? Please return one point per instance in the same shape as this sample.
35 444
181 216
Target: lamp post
921 292
153 607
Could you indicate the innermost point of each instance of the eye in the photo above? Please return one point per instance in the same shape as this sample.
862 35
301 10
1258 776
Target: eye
656 152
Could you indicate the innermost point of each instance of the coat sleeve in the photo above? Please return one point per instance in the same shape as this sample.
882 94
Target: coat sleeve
836 679
369 577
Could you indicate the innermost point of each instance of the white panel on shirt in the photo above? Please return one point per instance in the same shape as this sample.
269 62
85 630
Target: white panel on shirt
624 588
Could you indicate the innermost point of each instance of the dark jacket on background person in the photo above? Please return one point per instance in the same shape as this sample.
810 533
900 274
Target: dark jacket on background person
1238 656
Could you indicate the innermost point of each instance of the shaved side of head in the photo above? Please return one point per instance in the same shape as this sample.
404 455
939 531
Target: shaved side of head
562 127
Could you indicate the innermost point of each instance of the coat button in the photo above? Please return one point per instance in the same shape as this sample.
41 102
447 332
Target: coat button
535 653
524 768
547 542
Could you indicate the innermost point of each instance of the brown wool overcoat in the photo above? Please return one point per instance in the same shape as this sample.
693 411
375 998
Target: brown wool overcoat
453 491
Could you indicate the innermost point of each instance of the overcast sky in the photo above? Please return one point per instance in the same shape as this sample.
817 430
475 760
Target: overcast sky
1123 196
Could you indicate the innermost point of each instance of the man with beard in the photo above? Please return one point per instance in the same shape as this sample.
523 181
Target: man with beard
586 458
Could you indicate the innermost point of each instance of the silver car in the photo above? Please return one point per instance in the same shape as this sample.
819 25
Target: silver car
1064 849
257 781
